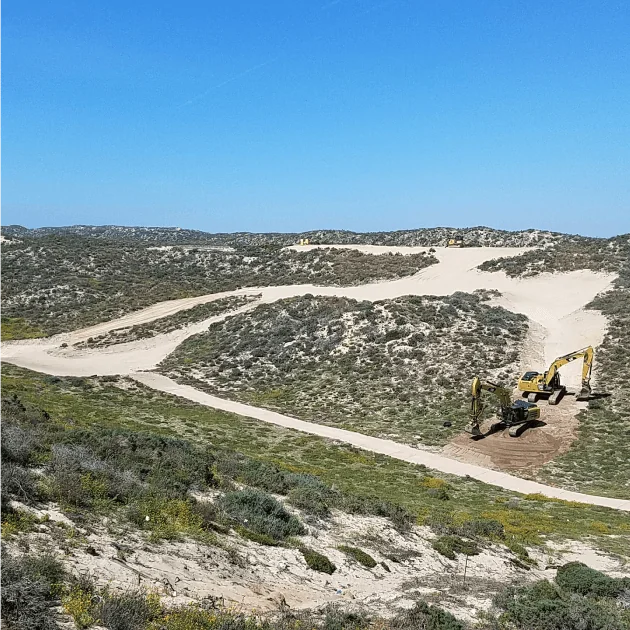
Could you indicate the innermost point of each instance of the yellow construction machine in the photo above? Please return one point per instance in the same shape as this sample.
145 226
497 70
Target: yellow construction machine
455 242
515 416
548 384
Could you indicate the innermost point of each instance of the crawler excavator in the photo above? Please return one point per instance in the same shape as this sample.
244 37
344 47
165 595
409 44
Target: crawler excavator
515 416
548 384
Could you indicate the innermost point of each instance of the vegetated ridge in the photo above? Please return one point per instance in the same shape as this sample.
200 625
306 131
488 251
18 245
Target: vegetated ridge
479 236
60 283
394 368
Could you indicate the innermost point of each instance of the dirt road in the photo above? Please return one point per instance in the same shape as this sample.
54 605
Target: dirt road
376 445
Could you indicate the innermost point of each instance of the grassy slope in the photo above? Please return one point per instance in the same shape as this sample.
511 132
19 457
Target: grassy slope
61 283
98 402
396 368
599 460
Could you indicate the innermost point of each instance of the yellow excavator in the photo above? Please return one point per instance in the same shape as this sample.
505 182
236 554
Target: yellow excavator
548 384
515 416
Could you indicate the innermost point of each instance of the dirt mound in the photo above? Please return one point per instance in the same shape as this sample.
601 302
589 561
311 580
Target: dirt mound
536 446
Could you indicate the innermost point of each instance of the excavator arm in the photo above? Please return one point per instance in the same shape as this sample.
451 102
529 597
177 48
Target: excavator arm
515 416
477 406
587 354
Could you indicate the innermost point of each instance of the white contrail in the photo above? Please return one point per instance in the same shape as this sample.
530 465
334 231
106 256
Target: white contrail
331 3
232 78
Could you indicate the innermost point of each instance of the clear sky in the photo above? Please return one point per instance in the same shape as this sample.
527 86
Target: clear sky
291 115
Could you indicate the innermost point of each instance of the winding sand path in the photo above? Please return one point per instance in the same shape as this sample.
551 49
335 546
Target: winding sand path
554 301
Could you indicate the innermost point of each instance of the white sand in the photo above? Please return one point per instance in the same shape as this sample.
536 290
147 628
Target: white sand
267 577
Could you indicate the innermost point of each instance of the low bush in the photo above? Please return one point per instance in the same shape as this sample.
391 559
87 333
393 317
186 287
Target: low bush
576 577
425 617
78 603
16 521
166 518
359 555
261 539
132 610
317 561
18 483
483 527
311 499
450 545
195 617
261 513
17 444
30 586
335 618
545 606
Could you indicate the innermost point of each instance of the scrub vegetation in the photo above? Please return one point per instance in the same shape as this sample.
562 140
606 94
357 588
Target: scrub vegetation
202 448
59 283
394 368
429 237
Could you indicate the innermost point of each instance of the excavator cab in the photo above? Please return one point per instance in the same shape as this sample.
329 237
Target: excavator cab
529 376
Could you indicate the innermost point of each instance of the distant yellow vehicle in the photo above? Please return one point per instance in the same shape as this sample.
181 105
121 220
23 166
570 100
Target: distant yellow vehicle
303 241
548 384
455 242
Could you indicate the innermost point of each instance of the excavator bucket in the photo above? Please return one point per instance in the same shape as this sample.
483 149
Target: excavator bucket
473 429
583 394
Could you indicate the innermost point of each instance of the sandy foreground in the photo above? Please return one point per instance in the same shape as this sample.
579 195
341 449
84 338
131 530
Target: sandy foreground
553 302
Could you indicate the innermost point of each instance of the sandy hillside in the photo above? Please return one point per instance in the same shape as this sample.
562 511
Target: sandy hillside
552 302
266 578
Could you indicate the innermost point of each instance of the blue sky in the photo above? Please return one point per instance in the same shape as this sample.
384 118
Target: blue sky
295 115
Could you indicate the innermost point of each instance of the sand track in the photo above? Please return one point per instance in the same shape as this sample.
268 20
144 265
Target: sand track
553 302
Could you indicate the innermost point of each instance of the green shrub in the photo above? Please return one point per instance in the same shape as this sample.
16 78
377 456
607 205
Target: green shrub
425 617
261 513
195 617
311 499
576 577
261 539
335 618
30 584
483 527
18 483
544 606
360 556
450 545
166 518
317 561
132 610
